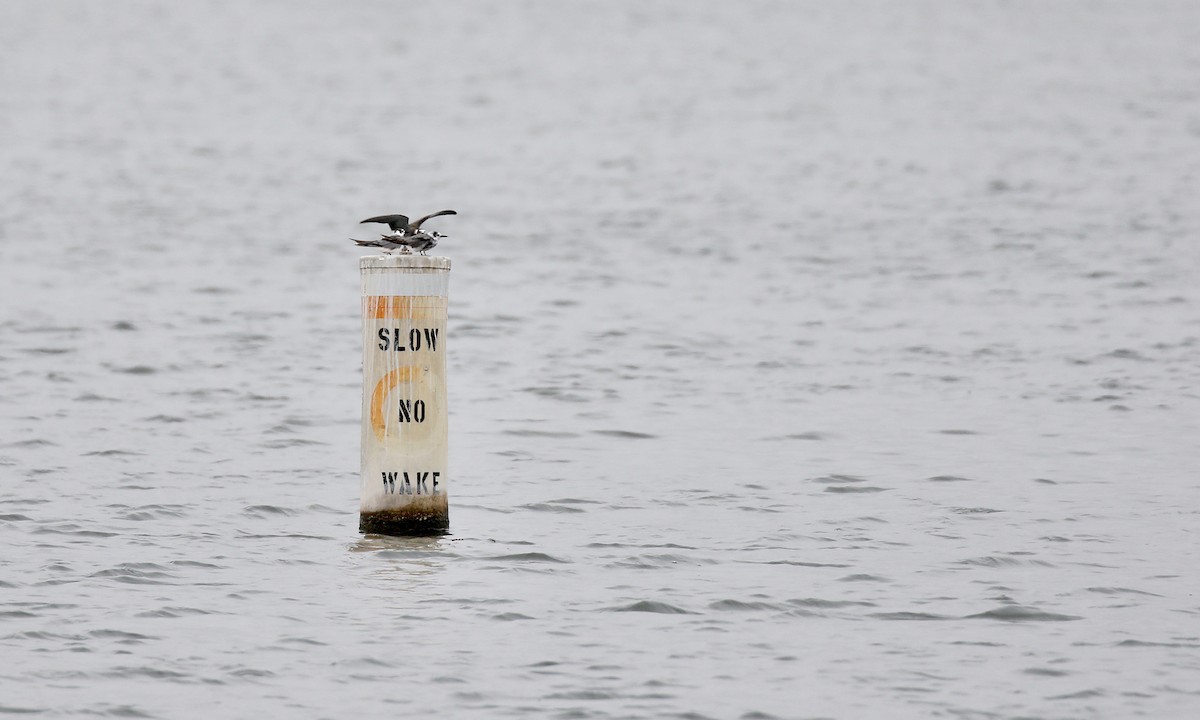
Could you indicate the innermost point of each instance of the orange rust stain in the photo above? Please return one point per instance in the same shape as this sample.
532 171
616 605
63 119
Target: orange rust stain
415 307
386 384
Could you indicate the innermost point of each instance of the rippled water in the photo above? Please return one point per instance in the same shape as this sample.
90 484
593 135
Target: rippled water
805 359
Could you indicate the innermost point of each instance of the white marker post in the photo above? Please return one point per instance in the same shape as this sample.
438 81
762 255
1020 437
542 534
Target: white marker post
404 424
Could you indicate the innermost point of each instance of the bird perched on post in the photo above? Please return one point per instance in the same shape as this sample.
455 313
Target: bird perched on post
400 225
421 242
406 235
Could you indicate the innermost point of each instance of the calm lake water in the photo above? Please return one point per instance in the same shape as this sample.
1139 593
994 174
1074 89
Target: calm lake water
833 360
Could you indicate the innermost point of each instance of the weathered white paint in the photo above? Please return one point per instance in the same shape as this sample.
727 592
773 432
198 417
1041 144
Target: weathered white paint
404 422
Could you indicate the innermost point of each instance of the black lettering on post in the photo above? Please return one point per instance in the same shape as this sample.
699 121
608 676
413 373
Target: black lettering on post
407 486
414 339
431 338
389 482
421 478
383 339
412 411
435 483
396 340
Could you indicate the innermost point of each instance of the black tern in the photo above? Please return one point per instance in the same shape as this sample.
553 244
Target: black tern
420 241
400 225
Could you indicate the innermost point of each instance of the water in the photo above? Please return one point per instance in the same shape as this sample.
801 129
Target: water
805 360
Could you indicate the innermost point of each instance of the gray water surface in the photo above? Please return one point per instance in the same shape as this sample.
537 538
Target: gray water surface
805 359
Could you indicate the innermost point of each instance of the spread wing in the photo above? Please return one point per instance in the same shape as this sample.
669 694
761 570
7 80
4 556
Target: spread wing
417 225
395 222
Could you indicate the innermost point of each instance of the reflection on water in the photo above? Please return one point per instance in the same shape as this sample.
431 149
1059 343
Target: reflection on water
402 546
407 559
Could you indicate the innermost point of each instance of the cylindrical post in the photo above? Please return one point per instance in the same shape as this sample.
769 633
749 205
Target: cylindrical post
404 424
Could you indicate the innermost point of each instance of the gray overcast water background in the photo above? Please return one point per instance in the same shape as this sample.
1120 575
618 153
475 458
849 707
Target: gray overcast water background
805 359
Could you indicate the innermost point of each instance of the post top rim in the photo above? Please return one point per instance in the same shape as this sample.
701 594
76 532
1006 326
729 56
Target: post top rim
407 262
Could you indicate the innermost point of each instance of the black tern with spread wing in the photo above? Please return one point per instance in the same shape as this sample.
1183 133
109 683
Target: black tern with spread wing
399 224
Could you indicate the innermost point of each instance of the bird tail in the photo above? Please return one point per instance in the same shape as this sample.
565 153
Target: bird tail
367 243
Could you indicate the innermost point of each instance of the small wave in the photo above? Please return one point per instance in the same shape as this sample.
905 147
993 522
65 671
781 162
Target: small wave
294 536
93 397
540 433
948 478
556 393
585 695
251 673
994 561
1100 590
854 489
121 636
173 612
46 329
802 563
905 615
137 370
266 510
838 479
42 635
34 443
648 562
652 606
628 434
742 605
799 436
527 557
152 512
1019 613
1125 354
1045 672
136 574
284 443
13 710
1148 644
154 673
510 616
363 662
550 507
1081 695
196 564
303 641
72 529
